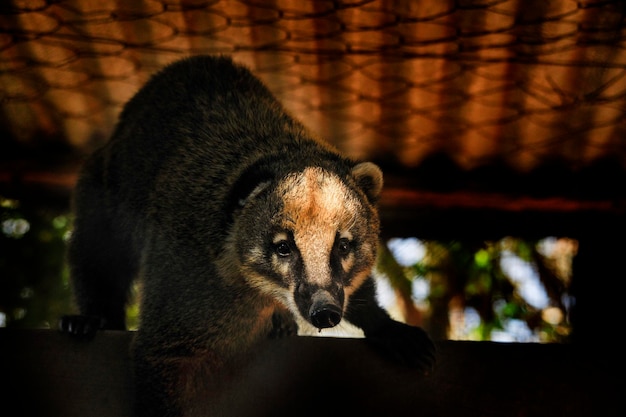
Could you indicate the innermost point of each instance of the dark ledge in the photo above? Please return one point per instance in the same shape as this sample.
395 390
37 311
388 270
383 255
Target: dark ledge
46 373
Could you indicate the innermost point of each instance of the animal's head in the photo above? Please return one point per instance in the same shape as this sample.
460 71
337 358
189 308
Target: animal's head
309 238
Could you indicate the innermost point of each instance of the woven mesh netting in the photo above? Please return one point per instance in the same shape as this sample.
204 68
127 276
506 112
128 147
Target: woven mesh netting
509 82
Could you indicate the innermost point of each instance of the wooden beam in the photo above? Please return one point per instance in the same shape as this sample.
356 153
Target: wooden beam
50 374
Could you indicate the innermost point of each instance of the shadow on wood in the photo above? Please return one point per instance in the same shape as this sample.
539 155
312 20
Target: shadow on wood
47 373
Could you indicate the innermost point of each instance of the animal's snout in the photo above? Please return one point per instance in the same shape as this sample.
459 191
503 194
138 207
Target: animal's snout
320 306
325 309
324 316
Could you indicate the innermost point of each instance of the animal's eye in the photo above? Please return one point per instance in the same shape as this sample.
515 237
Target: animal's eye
344 246
282 248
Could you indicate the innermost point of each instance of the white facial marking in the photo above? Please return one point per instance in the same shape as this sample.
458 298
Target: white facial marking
279 237
278 264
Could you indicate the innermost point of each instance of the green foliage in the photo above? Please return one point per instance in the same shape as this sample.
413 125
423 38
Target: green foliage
34 279
35 289
469 277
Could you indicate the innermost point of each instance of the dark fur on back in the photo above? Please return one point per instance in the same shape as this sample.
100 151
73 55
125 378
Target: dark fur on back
207 118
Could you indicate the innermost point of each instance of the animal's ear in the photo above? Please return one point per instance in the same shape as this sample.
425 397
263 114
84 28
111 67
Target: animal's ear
369 178
260 187
256 179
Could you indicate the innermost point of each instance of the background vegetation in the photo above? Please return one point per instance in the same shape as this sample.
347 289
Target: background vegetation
512 289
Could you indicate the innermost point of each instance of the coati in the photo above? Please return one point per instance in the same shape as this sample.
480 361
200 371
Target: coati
241 224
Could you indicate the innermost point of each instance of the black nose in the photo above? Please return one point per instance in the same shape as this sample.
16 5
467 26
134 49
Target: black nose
325 316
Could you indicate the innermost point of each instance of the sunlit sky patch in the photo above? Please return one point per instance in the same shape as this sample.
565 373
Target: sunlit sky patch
524 275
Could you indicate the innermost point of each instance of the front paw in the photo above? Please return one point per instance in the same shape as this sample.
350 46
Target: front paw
405 345
283 325
81 326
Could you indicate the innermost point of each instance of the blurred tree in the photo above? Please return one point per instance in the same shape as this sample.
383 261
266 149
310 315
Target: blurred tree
474 277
